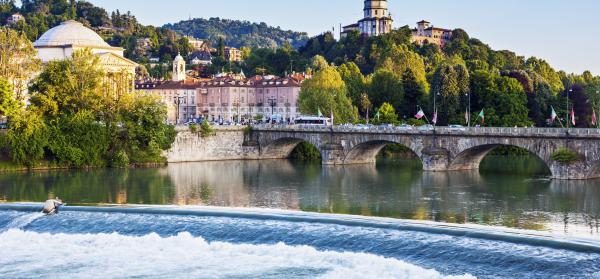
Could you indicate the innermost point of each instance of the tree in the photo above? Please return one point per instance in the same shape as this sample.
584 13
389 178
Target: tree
582 106
354 80
9 106
26 139
502 98
414 93
221 48
387 114
386 87
365 105
67 86
327 92
319 63
451 83
542 68
18 61
400 59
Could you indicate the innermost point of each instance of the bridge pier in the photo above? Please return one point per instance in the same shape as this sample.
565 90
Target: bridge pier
574 171
435 159
332 154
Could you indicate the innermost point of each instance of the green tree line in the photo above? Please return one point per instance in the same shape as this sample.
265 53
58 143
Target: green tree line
79 115
394 76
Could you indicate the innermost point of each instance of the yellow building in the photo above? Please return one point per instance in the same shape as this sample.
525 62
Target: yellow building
425 33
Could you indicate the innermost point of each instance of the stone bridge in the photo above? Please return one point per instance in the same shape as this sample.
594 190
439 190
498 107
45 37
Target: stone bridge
442 149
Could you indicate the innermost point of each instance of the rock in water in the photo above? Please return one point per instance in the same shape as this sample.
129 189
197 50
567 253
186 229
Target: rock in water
51 206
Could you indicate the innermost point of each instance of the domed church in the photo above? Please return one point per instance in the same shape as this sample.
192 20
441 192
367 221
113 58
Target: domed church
60 42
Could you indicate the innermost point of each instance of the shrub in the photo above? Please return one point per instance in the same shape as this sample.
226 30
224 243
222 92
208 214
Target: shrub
565 156
194 128
120 160
205 129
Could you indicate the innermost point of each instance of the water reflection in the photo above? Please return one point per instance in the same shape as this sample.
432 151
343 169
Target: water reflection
519 196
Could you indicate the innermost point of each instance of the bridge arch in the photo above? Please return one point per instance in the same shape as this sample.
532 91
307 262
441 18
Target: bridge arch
282 148
367 152
471 158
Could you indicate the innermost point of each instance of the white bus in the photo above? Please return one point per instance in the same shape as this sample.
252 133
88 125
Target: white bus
312 120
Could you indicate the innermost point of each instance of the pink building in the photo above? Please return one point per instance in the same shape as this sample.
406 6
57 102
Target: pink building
234 99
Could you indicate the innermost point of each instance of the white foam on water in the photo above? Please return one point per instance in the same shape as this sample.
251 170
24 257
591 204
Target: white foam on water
31 254
22 221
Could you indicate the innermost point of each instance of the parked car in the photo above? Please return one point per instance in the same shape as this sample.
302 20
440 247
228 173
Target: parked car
427 127
405 127
457 127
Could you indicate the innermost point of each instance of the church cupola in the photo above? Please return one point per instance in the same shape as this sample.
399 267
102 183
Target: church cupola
376 8
179 68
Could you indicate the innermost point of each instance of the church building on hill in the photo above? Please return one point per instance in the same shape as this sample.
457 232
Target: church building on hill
377 20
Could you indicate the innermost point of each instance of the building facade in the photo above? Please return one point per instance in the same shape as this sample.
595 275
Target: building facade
228 97
425 33
60 42
233 54
14 19
377 20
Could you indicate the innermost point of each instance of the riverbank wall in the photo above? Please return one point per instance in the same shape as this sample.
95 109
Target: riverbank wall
226 143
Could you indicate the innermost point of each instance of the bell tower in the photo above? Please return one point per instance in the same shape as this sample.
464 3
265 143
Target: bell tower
377 20
179 68
376 8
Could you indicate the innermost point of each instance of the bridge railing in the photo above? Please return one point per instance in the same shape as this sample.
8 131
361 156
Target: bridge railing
508 131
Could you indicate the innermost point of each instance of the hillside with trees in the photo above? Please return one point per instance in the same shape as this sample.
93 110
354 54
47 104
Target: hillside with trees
237 33
389 70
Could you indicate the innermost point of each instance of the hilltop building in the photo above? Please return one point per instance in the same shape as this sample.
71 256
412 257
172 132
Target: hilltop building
377 20
227 97
428 34
198 44
60 42
14 19
233 54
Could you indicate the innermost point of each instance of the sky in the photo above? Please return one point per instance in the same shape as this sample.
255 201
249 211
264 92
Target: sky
566 33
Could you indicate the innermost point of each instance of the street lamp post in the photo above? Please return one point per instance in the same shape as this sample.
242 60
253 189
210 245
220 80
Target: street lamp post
236 104
273 104
568 110
178 104
469 108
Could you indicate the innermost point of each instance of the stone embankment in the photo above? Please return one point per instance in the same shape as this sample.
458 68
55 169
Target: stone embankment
227 143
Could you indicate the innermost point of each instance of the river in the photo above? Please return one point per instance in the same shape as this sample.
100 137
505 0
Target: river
510 193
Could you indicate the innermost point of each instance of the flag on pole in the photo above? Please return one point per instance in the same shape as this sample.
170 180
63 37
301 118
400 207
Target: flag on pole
553 116
482 116
420 114
319 113
434 119
573 117
594 118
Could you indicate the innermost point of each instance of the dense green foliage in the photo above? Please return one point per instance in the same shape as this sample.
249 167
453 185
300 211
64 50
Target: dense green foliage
238 33
80 116
326 92
205 129
306 152
464 74
565 156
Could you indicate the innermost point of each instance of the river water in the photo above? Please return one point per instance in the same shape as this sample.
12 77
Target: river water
284 219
